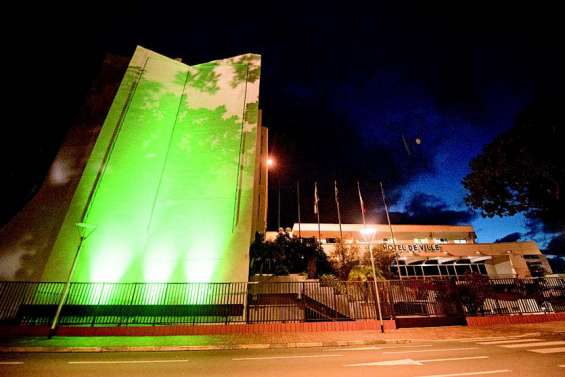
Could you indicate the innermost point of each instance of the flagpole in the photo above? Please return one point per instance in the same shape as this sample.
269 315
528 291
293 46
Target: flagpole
391 232
279 204
338 212
317 210
298 203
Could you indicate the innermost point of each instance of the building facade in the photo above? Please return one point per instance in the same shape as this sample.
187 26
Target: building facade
433 250
168 186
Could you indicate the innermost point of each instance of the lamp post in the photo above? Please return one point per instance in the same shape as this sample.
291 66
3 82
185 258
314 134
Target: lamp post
84 230
270 166
368 233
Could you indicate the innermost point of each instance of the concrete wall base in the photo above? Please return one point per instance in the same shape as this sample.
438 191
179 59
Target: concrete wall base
493 320
212 329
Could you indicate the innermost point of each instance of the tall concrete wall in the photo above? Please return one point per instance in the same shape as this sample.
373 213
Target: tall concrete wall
167 194
163 191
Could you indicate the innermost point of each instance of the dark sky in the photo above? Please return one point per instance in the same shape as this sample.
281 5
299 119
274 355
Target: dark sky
346 91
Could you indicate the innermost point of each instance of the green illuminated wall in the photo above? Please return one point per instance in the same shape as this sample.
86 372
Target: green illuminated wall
169 185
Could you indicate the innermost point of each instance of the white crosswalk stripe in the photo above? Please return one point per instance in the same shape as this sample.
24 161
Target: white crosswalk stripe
511 341
549 350
493 338
534 344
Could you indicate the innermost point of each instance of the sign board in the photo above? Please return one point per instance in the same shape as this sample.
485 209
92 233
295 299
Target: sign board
411 248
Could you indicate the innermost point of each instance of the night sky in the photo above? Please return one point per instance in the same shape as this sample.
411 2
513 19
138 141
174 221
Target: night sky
405 94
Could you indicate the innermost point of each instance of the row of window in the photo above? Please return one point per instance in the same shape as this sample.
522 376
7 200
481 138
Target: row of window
436 241
457 268
389 241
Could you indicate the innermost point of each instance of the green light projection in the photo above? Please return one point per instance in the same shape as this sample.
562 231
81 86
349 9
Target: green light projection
169 185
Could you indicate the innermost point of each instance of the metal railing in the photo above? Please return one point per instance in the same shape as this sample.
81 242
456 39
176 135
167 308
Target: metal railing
123 304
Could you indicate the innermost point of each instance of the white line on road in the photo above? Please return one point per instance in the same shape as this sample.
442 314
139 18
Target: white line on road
127 362
513 341
454 359
508 337
412 362
372 348
469 373
386 363
11 362
550 350
538 344
284 357
436 350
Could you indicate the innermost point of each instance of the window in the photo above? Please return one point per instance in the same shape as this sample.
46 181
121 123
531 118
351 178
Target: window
440 240
330 240
536 269
460 241
420 240
452 268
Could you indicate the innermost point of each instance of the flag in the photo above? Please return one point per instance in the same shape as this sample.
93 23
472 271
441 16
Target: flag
361 202
338 214
316 199
336 194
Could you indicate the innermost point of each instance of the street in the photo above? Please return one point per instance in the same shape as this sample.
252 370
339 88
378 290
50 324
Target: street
497 356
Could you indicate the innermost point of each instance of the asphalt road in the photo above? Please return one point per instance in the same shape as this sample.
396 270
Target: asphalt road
502 356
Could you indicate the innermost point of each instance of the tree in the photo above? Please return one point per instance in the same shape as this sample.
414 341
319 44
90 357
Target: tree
264 256
383 262
557 265
288 255
523 169
556 246
344 258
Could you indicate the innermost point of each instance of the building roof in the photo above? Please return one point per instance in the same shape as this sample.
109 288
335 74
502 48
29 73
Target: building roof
327 227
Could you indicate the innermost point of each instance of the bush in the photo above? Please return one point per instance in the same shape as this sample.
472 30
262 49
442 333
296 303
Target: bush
281 269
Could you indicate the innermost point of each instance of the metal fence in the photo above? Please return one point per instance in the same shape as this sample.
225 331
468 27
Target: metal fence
123 304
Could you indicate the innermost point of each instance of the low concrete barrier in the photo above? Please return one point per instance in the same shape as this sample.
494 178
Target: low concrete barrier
199 329
492 320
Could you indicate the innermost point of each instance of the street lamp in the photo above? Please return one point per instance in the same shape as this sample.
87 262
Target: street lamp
84 230
271 163
369 233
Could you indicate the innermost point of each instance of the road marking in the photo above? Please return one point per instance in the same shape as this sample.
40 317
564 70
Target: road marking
507 337
469 373
355 349
386 363
372 348
412 362
550 350
11 362
561 366
454 359
127 362
283 357
512 341
436 350
538 344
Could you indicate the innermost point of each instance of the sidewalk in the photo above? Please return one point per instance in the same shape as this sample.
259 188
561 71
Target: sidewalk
270 340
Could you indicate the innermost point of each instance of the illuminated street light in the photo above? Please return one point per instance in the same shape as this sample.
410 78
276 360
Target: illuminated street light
368 234
270 165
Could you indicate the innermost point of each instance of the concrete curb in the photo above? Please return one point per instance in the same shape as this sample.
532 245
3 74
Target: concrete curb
221 347
32 349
